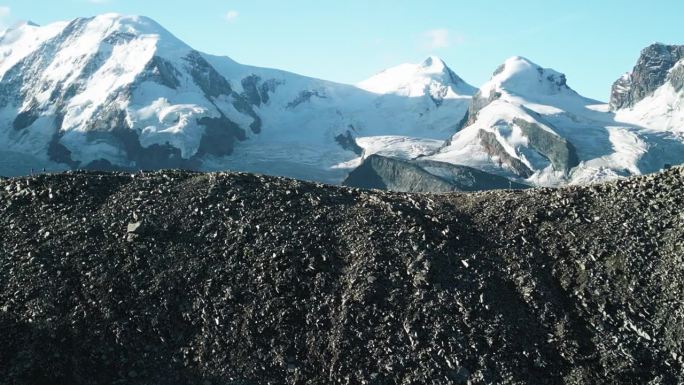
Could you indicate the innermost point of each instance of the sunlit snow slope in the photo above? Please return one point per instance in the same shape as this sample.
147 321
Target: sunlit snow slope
122 92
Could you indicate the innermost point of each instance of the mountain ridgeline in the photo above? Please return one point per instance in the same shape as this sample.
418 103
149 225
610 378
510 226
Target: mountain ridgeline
119 92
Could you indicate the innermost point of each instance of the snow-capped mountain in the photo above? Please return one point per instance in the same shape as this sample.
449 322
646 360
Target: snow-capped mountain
528 124
442 93
122 92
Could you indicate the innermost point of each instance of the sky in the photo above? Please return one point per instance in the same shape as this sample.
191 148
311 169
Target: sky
592 41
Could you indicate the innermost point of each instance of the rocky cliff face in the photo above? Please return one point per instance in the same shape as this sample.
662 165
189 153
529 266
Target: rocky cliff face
652 70
181 278
392 174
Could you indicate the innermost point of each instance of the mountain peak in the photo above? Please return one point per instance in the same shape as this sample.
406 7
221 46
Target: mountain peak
413 79
434 63
122 22
123 17
517 66
21 24
650 73
520 75
137 22
659 46
112 15
662 54
119 28
520 59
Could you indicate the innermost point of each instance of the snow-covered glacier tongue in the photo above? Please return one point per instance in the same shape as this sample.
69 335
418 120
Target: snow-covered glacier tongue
121 92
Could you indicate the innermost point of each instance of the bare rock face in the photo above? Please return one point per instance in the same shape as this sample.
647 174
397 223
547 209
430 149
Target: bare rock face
384 173
186 278
494 148
560 152
421 175
651 72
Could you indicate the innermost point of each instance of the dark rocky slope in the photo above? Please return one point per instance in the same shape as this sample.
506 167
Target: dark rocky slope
182 278
392 174
385 173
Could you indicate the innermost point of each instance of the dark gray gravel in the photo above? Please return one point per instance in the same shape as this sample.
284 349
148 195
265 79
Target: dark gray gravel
184 278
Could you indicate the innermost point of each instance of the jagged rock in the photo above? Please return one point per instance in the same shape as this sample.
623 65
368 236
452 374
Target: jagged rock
494 148
651 71
379 172
348 142
134 227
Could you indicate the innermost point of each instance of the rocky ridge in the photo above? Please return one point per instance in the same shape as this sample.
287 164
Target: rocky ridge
653 69
177 277
387 173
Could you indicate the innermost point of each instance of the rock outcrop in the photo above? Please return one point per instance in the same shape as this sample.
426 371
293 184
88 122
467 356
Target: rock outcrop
400 175
651 71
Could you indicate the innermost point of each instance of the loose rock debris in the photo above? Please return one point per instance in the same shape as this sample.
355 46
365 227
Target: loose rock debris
186 278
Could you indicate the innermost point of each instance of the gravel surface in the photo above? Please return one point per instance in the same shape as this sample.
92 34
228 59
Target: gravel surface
186 278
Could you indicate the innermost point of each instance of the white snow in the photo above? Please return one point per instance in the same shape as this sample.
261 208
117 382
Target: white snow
398 146
306 133
412 80
520 76
663 111
103 57
23 39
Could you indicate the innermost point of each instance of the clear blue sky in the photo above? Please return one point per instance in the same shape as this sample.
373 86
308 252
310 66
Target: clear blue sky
593 42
